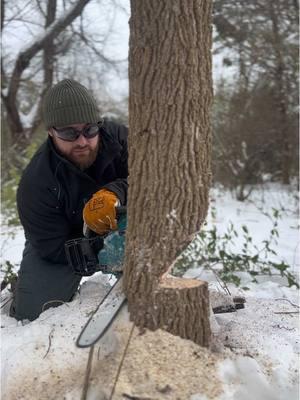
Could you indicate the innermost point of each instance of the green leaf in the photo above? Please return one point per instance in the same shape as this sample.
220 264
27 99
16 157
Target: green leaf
292 282
245 229
222 253
281 267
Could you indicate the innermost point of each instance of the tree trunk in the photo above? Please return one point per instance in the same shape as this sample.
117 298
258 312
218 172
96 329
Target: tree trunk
170 95
281 97
48 64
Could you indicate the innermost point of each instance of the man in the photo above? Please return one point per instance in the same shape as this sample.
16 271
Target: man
81 166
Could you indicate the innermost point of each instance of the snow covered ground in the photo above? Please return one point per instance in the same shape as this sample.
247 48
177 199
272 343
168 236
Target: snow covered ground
255 351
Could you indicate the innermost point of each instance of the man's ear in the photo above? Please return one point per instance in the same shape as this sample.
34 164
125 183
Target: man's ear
50 132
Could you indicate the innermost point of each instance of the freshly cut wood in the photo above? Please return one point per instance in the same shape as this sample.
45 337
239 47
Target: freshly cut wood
179 306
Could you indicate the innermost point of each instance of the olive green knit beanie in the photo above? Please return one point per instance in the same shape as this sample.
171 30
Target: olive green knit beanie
68 103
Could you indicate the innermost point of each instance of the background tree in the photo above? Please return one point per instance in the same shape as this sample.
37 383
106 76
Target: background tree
170 93
261 39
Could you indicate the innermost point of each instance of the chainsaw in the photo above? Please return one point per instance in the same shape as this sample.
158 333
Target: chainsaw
93 253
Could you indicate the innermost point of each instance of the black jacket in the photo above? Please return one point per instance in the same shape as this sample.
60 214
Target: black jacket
52 191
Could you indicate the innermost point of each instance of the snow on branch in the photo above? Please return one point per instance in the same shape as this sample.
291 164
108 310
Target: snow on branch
25 56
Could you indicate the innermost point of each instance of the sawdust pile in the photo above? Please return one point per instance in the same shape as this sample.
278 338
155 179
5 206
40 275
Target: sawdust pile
156 365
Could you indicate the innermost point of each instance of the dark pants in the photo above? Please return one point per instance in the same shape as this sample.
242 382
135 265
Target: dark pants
41 284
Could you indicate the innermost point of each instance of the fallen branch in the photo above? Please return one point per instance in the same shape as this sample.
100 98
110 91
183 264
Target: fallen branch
60 302
132 397
49 346
6 301
87 374
293 304
283 327
286 312
121 364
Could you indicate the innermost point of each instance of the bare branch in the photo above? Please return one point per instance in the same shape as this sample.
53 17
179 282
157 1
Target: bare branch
38 3
24 58
19 14
122 8
48 62
2 13
25 21
89 43
53 31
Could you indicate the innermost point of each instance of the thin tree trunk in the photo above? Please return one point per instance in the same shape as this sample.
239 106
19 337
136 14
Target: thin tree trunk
169 161
2 13
281 98
48 63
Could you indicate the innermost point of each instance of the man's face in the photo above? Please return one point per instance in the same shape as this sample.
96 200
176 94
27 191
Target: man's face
82 152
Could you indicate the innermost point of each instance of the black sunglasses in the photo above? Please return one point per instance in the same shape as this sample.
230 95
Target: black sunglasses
70 134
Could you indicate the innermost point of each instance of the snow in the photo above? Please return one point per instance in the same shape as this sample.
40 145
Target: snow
256 214
267 350
254 354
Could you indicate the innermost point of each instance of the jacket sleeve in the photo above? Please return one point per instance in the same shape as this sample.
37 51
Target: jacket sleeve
44 224
120 186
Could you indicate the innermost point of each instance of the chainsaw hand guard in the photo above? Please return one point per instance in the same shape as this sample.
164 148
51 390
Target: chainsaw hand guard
82 254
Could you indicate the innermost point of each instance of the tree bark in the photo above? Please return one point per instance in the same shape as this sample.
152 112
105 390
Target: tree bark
281 96
48 63
2 13
170 95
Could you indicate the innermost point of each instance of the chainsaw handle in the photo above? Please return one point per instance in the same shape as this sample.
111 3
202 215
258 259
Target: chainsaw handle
121 210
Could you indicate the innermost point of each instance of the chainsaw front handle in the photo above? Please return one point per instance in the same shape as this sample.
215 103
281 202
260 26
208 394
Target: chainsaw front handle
121 210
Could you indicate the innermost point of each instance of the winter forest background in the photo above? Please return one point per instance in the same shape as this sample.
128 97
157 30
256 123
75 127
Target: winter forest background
248 247
255 67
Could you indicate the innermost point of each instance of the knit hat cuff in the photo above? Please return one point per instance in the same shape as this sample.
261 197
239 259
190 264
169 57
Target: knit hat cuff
79 114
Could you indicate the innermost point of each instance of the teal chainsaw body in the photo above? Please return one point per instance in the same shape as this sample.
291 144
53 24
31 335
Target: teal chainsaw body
112 253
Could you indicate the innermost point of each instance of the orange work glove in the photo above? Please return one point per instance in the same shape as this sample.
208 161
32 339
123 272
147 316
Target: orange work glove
99 213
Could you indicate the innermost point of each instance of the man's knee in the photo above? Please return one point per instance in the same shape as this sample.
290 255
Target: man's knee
29 304
41 285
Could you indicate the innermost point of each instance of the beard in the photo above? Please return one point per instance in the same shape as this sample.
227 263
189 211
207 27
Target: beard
82 156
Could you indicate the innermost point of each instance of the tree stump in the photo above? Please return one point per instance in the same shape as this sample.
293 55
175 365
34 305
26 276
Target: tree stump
179 306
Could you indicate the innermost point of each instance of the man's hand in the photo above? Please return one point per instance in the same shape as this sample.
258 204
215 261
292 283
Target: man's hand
99 213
